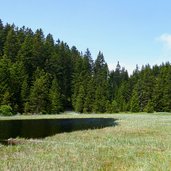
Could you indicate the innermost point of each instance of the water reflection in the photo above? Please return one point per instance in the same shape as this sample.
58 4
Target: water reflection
40 128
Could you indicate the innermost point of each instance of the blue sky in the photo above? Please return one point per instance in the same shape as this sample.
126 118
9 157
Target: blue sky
129 31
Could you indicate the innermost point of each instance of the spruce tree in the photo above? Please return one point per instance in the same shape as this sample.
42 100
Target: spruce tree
55 98
25 95
146 84
167 89
100 99
25 55
80 100
49 51
11 45
89 97
39 93
38 56
149 108
135 102
38 75
5 86
101 73
115 107
1 38
17 74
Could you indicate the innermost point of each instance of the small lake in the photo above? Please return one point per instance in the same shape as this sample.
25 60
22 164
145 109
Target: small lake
40 128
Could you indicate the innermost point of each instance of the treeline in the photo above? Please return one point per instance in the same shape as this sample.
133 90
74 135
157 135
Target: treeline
40 75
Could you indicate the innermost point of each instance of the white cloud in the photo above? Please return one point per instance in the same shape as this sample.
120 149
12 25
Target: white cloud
165 51
166 40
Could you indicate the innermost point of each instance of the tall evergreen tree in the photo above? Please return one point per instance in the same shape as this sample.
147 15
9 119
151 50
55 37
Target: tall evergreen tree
146 83
40 75
25 90
49 51
55 98
38 50
25 55
64 71
1 38
135 107
11 45
89 96
5 65
80 100
101 83
39 92
17 74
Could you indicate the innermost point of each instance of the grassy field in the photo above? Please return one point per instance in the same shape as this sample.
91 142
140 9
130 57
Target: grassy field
137 142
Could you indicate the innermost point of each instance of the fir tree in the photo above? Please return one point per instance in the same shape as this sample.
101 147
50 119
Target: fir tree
40 75
135 102
11 45
149 107
39 93
80 100
1 38
55 98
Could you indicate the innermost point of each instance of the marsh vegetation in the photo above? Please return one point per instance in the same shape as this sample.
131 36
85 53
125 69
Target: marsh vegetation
138 142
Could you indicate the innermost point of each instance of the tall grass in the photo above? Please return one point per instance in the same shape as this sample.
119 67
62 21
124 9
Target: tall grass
138 142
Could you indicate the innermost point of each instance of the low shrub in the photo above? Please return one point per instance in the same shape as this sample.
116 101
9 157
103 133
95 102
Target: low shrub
6 110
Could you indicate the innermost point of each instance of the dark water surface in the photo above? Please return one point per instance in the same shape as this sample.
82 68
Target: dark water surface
40 128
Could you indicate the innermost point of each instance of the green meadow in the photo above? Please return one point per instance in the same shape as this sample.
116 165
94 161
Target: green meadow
136 142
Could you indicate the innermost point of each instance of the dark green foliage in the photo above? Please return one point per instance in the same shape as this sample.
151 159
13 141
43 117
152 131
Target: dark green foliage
80 100
55 98
5 65
101 84
11 45
6 98
6 110
115 107
162 89
24 90
112 107
39 93
39 75
145 86
135 107
38 55
16 76
123 96
89 97
99 105
149 107
25 55
1 38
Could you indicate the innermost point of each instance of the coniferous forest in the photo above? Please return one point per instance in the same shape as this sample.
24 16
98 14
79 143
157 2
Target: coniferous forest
41 75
